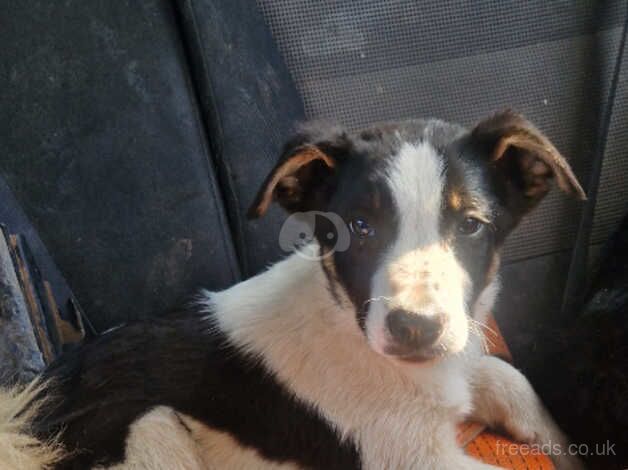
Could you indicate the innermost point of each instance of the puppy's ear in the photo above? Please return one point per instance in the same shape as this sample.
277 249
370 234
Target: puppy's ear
524 161
304 177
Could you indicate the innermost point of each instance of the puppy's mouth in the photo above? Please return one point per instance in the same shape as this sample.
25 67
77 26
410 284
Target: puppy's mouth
425 354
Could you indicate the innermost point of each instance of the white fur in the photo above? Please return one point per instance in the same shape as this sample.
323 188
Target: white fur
19 449
159 441
165 440
416 181
419 273
221 451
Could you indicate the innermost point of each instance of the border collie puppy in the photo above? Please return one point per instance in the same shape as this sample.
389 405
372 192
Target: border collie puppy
366 357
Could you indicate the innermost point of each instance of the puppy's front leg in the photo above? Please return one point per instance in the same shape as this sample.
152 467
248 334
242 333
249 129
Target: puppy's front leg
503 398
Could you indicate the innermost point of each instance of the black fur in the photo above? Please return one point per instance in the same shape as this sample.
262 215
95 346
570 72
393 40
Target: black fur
183 362
468 178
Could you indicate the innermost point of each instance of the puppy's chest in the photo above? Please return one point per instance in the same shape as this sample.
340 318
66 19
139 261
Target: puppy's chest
389 415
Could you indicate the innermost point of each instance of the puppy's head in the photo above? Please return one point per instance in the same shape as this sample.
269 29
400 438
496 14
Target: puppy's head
428 206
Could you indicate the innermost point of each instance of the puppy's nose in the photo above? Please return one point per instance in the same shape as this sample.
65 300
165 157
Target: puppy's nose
412 331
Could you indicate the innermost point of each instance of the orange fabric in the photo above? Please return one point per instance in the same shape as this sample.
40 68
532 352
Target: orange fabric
489 447
502 452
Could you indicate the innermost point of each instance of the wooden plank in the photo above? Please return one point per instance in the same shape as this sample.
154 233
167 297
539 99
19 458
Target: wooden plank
35 309
20 356
67 332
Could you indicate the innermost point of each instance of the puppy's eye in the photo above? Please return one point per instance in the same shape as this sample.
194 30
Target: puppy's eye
361 229
470 226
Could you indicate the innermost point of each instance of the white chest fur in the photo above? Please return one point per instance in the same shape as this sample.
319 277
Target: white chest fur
397 414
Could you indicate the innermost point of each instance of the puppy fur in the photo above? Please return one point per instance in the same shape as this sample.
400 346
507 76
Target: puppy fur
366 358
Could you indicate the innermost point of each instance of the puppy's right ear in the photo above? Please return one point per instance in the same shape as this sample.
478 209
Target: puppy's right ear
304 177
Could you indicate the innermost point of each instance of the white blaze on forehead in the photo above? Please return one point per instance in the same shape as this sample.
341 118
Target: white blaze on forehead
419 273
416 182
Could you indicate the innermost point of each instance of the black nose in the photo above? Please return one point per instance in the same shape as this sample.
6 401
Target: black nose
413 331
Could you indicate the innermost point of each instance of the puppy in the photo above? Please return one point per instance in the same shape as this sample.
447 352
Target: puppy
360 357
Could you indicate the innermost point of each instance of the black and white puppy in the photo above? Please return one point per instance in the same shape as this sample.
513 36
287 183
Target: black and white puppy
366 357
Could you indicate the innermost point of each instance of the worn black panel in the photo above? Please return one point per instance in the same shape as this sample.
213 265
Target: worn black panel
250 106
102 144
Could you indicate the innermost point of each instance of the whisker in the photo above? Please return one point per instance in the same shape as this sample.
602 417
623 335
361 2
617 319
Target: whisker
476 327
376 299
484 326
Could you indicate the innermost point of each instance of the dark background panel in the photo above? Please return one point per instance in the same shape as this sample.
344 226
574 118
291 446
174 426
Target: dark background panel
340 38
103 147
612 201
250 106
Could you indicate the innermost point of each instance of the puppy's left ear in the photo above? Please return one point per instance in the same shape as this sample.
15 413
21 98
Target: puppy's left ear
524 161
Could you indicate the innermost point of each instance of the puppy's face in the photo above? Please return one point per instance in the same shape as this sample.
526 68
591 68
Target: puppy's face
427 205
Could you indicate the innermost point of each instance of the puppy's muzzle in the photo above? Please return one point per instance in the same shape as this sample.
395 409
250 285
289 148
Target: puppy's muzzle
414 336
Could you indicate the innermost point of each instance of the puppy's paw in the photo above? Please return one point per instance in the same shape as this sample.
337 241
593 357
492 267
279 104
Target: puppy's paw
545 436
521 430
541 432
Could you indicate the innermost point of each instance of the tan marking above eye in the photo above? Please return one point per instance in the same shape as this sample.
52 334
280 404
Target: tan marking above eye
455 200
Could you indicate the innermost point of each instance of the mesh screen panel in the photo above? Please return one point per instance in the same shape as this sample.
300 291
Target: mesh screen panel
359 61
612 200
